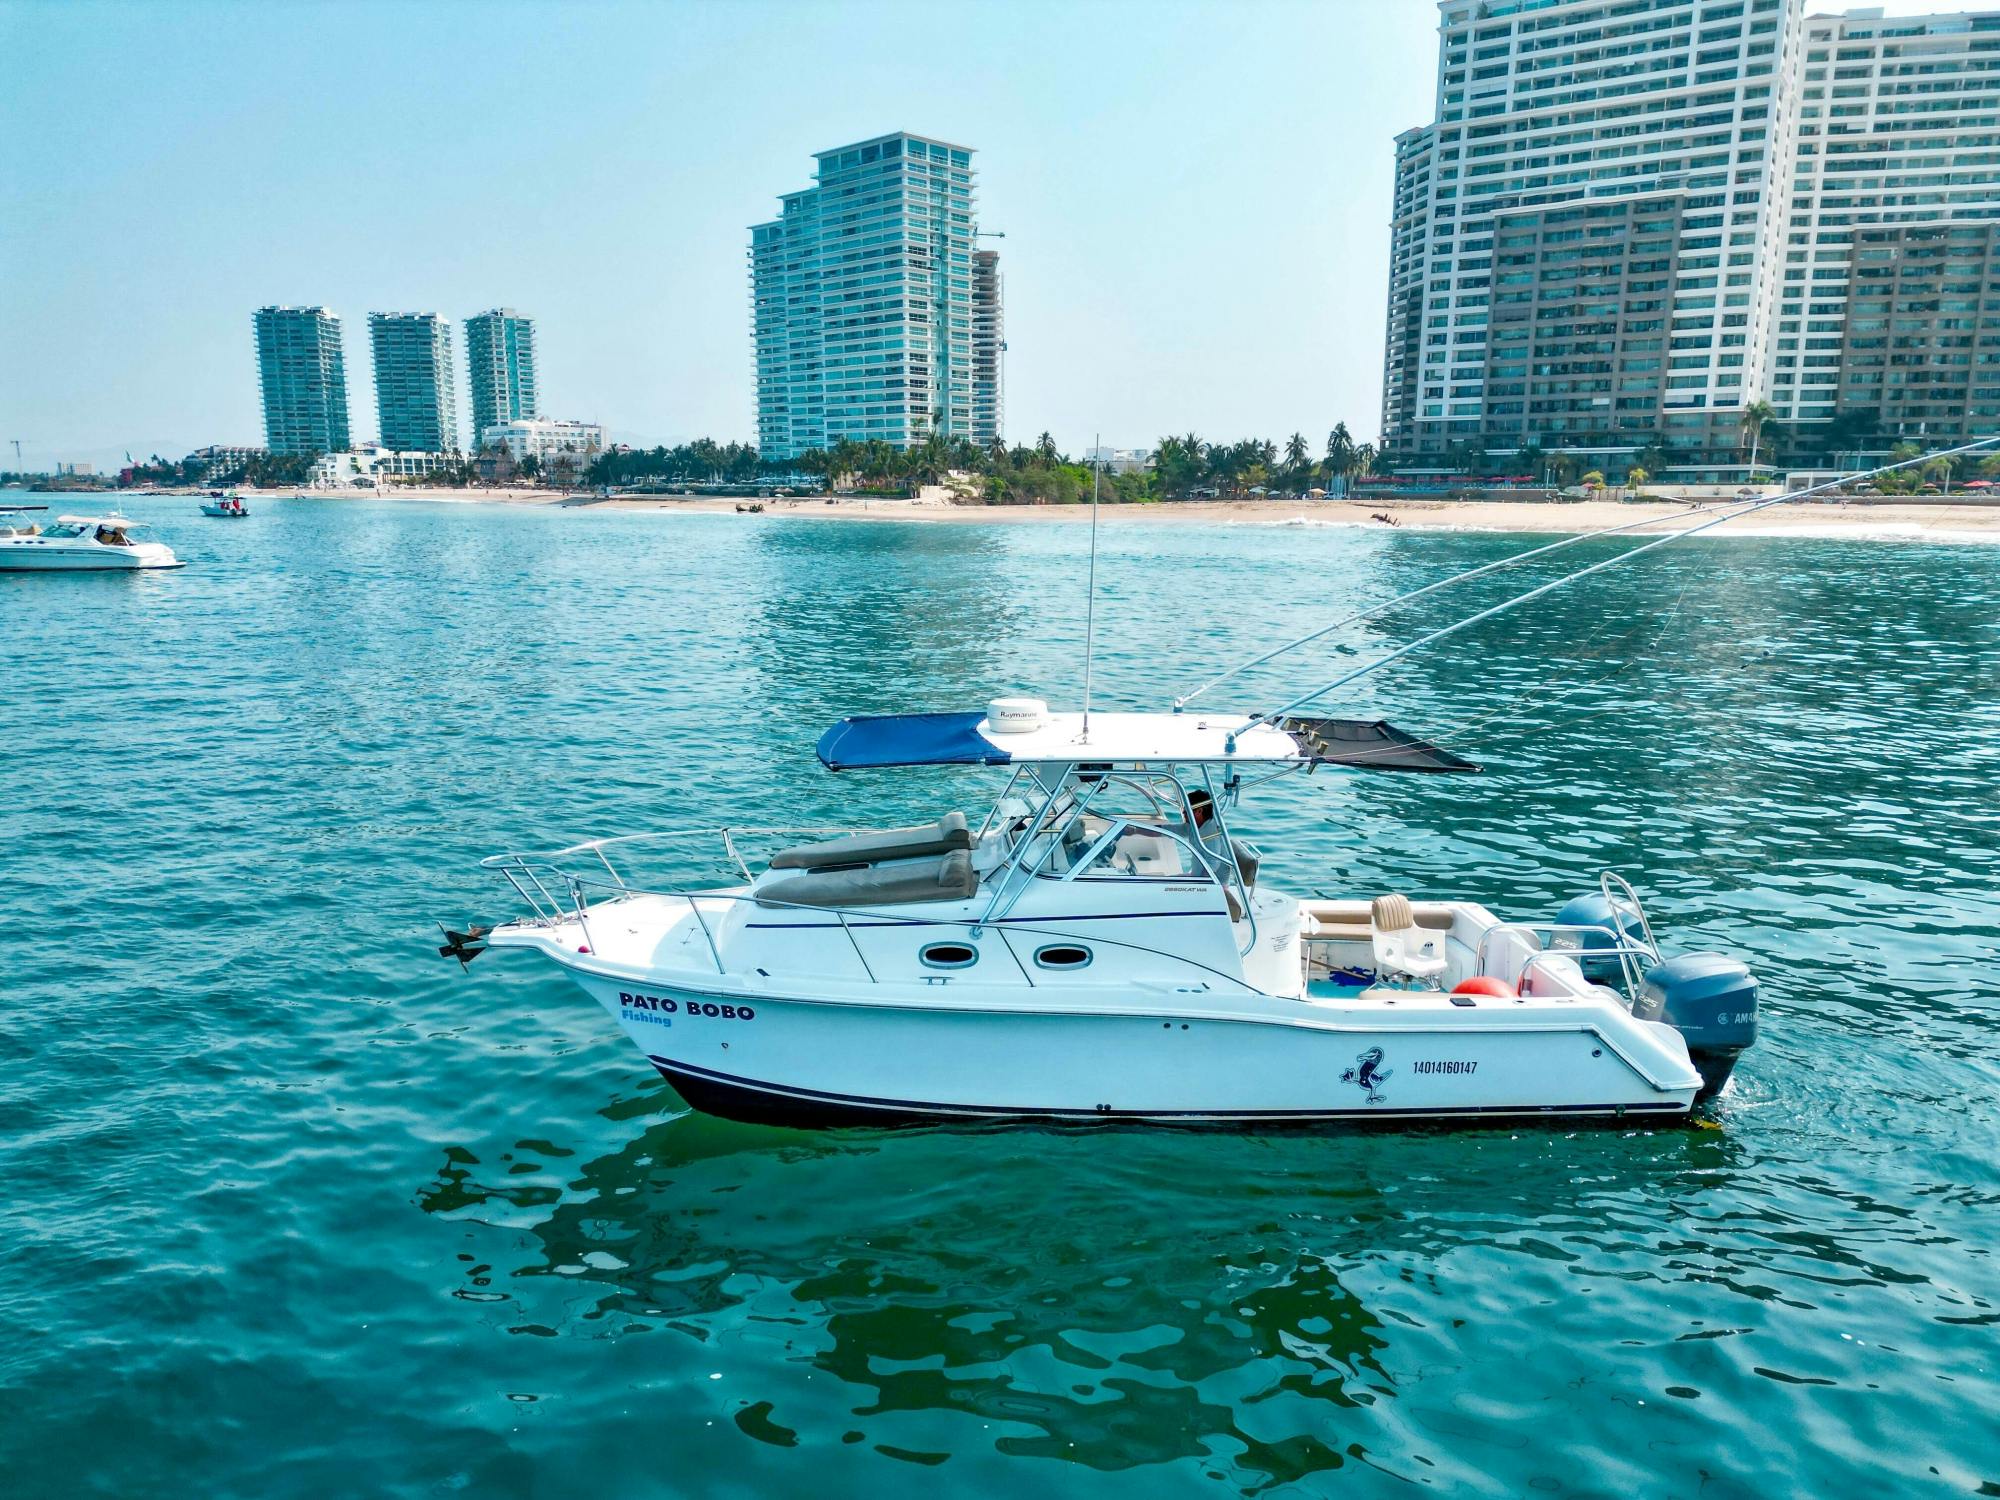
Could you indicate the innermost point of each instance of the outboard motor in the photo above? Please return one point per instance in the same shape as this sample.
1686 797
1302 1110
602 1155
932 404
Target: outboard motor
1710 999
1599 910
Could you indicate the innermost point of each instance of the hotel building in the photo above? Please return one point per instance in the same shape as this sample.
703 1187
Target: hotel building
545 438
862 301
500 349
1633 218
1890 303
302 377
415 397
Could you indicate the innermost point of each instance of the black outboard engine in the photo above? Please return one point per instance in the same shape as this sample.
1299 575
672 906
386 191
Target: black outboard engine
1709 998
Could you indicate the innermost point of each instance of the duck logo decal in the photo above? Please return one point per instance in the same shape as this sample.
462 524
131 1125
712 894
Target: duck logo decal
1369 1073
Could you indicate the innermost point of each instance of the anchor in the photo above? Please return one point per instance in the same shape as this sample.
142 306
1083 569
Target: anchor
463 946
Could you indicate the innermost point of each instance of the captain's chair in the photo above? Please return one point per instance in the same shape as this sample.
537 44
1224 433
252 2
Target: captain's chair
1403 949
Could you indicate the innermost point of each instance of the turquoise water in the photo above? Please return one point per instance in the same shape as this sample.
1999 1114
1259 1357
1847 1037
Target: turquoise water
293 1207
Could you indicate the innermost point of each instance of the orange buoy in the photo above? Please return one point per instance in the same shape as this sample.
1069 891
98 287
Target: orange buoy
1485 984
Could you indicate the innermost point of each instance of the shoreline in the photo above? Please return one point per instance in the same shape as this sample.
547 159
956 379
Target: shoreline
1896 520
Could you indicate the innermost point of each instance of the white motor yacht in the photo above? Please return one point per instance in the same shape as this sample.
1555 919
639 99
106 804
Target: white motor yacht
1103 944
80 544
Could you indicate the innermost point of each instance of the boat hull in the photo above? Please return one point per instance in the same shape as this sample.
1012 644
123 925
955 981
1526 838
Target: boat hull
1261 1062
81 560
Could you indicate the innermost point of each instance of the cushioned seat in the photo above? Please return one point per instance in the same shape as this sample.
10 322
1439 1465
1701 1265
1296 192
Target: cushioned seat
947 877
947 834
1402 948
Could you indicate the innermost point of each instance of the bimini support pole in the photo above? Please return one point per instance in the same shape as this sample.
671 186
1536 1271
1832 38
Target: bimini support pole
1609 562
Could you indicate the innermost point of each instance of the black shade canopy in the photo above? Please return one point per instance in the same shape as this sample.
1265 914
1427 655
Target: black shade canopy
1369 745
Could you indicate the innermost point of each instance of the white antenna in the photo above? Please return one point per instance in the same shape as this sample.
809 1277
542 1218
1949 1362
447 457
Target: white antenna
1090 595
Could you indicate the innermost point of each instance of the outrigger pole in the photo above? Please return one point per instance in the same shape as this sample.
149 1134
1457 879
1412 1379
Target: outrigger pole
1429 588
1598 567
1090 589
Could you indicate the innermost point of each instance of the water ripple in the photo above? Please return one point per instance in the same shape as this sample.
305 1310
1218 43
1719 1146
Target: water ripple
294 1208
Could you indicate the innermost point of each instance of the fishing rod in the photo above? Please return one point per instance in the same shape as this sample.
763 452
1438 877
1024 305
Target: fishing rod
1597 567
1430 588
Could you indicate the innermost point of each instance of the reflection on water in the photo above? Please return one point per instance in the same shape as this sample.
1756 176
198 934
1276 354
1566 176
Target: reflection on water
1258 1308
848 619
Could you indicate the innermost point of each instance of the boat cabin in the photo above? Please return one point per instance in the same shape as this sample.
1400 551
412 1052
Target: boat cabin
1108 840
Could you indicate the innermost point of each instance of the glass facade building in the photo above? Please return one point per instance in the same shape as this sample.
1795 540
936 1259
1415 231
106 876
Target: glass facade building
302 377
862 301
500 351
415 396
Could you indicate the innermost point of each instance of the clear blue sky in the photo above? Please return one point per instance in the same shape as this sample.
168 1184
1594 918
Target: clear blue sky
1195 197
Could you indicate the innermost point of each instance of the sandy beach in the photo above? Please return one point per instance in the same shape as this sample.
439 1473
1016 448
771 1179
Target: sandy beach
1852 518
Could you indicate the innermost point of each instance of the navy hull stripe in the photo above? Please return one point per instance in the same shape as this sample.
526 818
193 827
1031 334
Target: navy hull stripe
747 1099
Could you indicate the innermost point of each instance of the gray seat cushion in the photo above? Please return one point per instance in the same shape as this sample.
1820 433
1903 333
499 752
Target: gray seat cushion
942 837
944 877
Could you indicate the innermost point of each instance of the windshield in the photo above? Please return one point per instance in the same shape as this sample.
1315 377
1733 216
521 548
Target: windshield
1141 825
63 528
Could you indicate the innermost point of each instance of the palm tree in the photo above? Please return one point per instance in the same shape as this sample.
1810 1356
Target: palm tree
1339 455
1755 415
1046 447
1295 457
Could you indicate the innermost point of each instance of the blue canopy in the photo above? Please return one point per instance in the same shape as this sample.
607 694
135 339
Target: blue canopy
909 740
969 739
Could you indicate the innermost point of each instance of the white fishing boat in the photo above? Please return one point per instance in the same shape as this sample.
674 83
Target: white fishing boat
1103 944
225 507
81 544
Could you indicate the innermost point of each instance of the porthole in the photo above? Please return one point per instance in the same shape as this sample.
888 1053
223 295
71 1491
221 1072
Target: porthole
949 956
1063 956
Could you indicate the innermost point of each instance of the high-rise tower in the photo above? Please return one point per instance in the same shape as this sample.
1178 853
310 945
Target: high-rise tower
415 396
862 299
302 375
500 349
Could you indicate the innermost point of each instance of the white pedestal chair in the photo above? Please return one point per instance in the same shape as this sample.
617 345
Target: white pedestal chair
1405 952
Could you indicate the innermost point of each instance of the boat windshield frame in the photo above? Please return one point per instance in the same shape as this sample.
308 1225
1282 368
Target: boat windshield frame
1068 793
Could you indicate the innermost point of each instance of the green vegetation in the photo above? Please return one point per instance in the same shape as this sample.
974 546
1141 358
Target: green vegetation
1038 474
264 471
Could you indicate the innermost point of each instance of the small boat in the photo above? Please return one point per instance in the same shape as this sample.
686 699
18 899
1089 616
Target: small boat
225 507
1103 944
81 544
